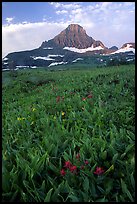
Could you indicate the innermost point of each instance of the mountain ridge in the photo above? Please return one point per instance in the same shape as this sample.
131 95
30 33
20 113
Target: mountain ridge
65 48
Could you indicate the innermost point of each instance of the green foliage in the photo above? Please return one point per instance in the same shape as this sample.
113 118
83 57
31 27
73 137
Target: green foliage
86 117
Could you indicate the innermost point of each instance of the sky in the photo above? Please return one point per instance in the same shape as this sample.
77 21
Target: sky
25 25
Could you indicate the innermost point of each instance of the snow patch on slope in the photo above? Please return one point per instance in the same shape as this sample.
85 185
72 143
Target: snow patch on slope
73 49
48 48
5 59
128 48
19 66
56 63
77 59
55 56
43 58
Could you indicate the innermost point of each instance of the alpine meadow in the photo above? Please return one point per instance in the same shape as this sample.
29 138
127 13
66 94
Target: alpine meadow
69 136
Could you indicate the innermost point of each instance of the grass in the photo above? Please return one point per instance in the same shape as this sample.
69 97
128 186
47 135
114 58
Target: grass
83 117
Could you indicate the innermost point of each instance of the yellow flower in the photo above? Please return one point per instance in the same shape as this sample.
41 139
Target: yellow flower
20 118
63 113
33 109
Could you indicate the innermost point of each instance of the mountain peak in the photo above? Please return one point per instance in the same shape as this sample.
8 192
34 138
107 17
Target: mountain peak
75 28
74 36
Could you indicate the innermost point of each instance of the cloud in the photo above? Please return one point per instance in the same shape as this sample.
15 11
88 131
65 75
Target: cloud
61 12
9 19
27 36
65 6
111 22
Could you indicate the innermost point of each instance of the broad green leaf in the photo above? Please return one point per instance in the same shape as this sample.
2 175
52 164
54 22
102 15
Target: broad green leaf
86 185
104 155
53 168
48 196
101 190
101 200
110 169
73 198
132 180
108 184
129 147
115 157
5 181
14 196
43 186
123 155
126 191
28 188
24 196
93 190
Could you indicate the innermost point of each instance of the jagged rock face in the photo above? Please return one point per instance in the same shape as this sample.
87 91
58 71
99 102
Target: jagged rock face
74 36
131 45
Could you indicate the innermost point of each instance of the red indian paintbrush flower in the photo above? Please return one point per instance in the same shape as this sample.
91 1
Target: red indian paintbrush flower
67 164
73 169
58 99
86 162
99 170
83 99
62 172
89 96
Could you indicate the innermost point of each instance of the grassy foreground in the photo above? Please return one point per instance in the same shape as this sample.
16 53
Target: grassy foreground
69 136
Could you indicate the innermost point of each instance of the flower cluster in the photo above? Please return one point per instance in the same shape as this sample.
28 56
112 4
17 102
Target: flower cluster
89 96
59 98
99 171
68 165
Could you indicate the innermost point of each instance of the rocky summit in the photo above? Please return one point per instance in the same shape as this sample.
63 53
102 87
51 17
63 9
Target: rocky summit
74 36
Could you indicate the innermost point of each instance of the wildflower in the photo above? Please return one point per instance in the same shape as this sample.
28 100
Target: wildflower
99 170
89 96
63 113
20 118
57 99
86 162
73 169
33 109
83 99
78 156
67 164
62 172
